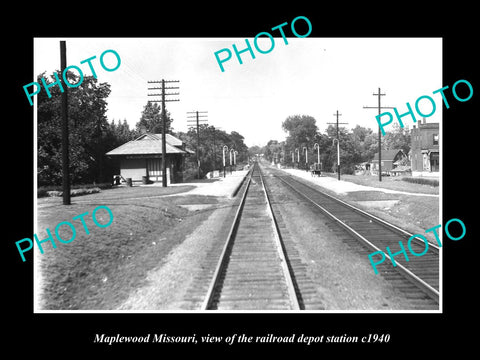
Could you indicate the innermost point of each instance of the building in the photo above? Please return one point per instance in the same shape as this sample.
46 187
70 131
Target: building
389 158
425 149
141 159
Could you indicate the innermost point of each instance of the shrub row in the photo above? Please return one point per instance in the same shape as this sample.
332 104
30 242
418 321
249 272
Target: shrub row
420 180
75 190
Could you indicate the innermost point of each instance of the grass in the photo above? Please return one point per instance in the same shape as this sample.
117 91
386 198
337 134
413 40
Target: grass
391 182
411 213
99 270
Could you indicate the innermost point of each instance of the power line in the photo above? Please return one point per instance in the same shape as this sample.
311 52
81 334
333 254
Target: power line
199 116
64 112
131 70
338 143
164 121
379 107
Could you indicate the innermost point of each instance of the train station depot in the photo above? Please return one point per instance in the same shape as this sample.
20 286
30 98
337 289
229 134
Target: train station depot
141 158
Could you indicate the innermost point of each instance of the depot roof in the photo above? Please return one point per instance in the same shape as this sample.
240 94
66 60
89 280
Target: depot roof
150 144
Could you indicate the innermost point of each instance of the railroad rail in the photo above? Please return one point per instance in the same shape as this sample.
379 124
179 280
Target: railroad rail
376 234
253 271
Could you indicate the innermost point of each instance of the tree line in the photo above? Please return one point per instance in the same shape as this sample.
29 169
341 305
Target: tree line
92 135
208 143
357 145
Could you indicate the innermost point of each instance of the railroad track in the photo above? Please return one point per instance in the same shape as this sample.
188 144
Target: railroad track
253 271
376 234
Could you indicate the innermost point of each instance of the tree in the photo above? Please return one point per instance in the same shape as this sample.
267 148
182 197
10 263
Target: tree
254 150
397 138
302 131
88 126
274 150
212 141
120 133
365 142
348 154
370 146
236 142
151 119
116 135
356 146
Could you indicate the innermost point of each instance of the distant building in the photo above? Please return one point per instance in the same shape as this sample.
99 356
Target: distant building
424 152
141 159
389 158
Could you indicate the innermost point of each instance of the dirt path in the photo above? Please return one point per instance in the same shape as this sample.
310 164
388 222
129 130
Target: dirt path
167 284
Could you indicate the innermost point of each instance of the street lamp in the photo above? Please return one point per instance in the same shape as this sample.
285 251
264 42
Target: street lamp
298 155
293 159
318 154
225 147
232 150
338 156
306 157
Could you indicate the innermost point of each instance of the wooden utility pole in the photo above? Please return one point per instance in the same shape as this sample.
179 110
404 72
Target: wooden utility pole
379 107
64 111
201 117
164 121
214 150
338 143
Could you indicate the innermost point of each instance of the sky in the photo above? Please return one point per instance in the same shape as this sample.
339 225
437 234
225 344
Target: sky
307 76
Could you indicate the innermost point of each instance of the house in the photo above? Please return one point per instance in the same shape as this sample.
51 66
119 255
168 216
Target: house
425 152
141 159
390 159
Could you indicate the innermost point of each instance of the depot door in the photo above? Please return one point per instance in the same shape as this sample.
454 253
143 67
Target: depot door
434 162
154 169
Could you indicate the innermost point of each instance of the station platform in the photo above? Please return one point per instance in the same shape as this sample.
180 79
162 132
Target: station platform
220 186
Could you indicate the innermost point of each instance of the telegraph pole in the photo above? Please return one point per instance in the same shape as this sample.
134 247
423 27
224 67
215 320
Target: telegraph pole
164 120
64 111
214 150
379 107
198 117
338 143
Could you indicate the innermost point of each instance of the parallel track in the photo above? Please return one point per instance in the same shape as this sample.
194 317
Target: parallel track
376 234
253 271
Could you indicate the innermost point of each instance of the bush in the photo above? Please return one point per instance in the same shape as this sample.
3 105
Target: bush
423 181
75 190
42 192
84 191
190 174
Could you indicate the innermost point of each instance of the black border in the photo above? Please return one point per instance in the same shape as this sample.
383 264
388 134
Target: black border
410 333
